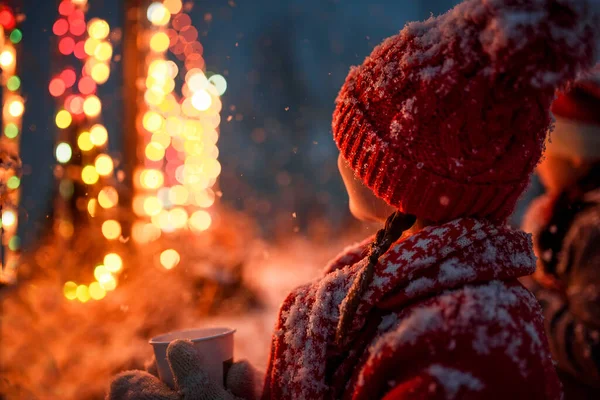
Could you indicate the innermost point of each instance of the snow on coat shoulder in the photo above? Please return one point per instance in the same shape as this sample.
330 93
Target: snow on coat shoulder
444 318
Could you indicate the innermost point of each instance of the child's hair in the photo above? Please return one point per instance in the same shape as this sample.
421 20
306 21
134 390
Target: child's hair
395 226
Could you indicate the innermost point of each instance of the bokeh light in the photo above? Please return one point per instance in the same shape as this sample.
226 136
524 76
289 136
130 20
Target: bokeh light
169 258
111 229
97 292
108 197
84 141
104 165
113 262
92 106
9 218
158 14
89 175
70 290
63 153
200 221
159 42
98 135
16 108
98 29
6 58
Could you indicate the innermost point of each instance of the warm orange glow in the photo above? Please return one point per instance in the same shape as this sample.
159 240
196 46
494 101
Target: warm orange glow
155 152
16 108
98 135
97 292
100 73
98 29
103 51
200 221
151 179
169 258
104 165
111 229
152 205
113 262
92 106
89 175
108 197
84 141
159 42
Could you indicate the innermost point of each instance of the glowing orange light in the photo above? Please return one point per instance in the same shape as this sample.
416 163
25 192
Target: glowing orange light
154 151
169 258
152 205
108 197
103 51
104 165
97 292
174 6
98 135
7 58
111 229
158 14
84 141
200 221
89 175
113 262
98 29
16 108
92 106
63 119
151 179
159 42
100 73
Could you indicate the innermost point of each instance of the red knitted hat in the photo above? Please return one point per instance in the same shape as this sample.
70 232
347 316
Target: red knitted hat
448 118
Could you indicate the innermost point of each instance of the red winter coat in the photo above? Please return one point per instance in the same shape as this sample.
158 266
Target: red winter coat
445 317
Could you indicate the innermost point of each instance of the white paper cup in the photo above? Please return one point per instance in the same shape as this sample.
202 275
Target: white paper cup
214 344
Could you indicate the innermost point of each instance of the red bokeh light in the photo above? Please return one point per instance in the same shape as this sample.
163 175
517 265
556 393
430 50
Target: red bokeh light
7 20
181 21
87 85
57 87
80 50
77 27
178 48
66 8
194 61
173 37
74 104
66 45
76 15
188 34
60 27
193 48
69 77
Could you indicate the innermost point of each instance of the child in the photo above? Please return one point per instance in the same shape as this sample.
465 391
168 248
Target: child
566 228
440 127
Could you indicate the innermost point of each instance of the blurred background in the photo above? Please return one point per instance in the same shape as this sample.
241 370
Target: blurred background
284 62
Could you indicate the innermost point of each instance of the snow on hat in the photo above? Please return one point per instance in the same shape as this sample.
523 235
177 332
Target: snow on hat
576 132
448 118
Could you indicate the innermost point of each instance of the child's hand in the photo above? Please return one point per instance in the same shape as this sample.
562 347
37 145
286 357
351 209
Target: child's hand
191 381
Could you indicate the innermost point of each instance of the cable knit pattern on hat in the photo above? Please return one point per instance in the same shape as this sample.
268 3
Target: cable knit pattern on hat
448 118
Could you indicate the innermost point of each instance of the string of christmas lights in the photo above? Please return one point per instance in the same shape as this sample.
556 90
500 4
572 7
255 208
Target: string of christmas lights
174 183
12 113
83 162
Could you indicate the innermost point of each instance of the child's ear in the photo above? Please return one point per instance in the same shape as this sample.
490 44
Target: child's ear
577 162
